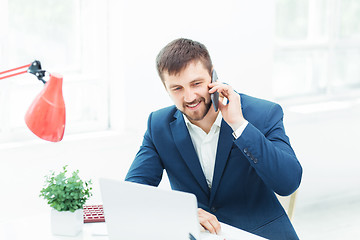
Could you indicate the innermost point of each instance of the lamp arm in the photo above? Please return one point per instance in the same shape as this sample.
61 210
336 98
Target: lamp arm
14 69
33 68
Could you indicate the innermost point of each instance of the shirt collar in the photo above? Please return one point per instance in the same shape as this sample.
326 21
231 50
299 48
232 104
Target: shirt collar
216 123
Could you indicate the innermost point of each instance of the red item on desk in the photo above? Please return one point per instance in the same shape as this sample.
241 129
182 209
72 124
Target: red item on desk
93 213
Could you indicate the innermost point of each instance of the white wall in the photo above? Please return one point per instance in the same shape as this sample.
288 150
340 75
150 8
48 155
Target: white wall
238 35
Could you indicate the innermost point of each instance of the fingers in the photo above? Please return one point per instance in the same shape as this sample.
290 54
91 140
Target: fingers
231 111
221 105
208 221
224 90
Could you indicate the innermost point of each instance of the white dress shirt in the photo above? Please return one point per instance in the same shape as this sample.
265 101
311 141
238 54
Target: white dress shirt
206 144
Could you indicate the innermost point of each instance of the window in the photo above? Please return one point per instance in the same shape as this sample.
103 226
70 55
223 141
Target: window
68 37
317 47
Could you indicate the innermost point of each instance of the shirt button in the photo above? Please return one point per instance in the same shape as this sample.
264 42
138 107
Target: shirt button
213 209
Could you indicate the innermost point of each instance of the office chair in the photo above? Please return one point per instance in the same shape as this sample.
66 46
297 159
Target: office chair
288 203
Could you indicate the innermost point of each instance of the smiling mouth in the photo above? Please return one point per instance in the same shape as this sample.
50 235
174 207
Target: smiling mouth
193 105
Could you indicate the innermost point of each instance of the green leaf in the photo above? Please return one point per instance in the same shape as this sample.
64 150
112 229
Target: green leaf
66 193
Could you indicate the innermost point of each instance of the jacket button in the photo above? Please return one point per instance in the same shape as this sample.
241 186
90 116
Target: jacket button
245 150
213 209
255 160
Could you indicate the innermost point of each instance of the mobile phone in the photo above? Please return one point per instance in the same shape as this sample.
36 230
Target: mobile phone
214 96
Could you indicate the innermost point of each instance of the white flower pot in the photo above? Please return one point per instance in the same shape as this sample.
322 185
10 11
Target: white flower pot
66 223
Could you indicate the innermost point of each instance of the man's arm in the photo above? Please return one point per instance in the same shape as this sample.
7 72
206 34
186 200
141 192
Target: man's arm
146 167
269 153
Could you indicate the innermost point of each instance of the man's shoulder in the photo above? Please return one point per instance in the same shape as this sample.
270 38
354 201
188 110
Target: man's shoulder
164 114
260 112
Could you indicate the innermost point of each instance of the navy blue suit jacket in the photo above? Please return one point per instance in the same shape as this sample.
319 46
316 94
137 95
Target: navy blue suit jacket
247 172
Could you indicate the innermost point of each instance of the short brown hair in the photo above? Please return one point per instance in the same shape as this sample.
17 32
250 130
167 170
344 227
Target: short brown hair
176 56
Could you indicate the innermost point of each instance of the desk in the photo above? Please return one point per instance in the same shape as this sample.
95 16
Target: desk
38 227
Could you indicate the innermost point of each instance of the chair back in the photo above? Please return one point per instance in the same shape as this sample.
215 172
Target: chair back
288 203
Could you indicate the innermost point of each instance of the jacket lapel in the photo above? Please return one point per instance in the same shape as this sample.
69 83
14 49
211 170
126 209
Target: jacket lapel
225 143
223 150
185 146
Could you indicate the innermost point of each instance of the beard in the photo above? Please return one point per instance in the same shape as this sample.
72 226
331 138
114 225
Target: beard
199 114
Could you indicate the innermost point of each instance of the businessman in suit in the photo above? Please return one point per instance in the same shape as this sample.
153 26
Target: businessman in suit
233 160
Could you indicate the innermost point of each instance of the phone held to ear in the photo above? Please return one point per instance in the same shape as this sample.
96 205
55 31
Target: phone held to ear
214 96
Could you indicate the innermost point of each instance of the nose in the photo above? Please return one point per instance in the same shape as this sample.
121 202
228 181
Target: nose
189 95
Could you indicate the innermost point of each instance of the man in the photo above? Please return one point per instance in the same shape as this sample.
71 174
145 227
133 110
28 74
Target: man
233 160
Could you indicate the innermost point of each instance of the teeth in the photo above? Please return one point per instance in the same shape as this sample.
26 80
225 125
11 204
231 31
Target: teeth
193 105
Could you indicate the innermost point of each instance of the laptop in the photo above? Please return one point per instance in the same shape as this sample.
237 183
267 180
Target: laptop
137 212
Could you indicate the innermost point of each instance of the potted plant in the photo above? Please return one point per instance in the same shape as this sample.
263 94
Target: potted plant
66 195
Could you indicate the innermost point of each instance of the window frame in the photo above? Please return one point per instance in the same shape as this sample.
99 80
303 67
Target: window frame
331 43
92 74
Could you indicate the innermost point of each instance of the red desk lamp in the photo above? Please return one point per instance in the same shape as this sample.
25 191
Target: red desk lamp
46 115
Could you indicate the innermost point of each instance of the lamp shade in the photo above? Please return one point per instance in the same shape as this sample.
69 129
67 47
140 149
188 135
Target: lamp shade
46 115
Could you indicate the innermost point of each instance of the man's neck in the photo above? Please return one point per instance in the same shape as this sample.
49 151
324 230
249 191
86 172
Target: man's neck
206 123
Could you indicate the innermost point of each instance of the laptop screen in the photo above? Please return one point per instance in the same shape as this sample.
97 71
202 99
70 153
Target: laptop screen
137 212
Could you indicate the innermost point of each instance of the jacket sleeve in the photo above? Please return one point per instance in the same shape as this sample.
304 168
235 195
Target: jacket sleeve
270 153
146 167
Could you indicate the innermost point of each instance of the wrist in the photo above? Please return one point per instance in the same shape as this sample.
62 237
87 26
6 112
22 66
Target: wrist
238 124
237 132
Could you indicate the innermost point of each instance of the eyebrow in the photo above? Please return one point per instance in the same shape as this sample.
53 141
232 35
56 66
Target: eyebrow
178 85
197 79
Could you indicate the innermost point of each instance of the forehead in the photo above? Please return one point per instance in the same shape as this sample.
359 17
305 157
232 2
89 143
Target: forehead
193 71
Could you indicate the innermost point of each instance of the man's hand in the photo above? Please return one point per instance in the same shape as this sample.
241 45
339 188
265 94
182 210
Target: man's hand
231 112
208 221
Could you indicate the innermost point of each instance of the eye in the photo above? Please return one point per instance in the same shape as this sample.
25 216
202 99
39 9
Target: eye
176 89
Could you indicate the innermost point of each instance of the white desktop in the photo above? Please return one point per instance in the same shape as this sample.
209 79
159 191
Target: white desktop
38 227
